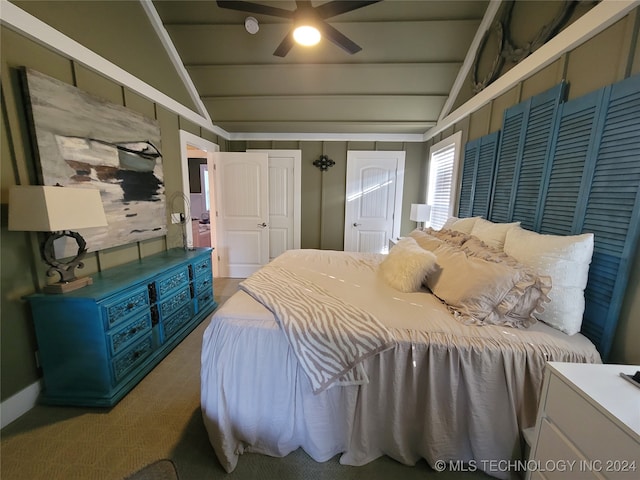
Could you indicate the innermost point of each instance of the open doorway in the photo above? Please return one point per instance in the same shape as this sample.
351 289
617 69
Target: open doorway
199 197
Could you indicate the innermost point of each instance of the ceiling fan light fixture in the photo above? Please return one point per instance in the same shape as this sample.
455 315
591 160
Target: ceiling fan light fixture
306 35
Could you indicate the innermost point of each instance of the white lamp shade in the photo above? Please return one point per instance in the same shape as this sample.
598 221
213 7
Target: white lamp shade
420 212
37 208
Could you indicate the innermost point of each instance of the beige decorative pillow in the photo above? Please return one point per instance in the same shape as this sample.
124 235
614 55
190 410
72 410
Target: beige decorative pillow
463 225
493 234
425 240
487 292
407 265
564 258
453 237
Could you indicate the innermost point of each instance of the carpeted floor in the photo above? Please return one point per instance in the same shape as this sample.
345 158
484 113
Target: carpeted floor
160 419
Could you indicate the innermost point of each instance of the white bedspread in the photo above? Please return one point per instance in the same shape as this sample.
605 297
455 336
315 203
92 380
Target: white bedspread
446 391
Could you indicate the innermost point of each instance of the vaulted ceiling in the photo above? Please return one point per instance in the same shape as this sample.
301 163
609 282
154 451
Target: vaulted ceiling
412 52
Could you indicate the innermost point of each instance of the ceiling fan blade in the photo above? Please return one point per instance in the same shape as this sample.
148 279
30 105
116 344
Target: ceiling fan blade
337 7
338 38
286 45
258 8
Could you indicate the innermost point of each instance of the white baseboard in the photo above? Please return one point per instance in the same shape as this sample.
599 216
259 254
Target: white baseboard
19 404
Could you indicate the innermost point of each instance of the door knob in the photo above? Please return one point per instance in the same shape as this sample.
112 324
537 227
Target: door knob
356 224
262 224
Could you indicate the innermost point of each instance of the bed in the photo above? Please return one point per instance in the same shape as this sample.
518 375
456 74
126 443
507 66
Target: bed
434 383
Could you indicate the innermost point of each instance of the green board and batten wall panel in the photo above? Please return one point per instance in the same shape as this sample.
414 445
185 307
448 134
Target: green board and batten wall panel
566 168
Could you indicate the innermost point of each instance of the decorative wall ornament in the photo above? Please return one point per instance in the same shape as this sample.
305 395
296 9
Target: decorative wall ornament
84 141
507 48
324 162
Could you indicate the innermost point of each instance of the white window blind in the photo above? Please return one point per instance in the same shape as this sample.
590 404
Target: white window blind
441 167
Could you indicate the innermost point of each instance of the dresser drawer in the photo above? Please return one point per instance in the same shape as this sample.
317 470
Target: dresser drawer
174 303
120 338
168 284
592 433
203 284
124 306
129 359
174 323
202 266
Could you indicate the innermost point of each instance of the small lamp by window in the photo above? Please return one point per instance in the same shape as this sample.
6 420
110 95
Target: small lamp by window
57 210
421 213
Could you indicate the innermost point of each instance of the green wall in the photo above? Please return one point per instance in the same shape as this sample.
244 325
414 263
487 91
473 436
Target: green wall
22 271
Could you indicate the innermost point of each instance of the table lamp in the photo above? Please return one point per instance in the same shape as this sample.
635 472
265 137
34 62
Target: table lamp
421 213
59 211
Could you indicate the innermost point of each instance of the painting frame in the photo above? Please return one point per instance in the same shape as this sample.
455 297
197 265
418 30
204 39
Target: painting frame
83 141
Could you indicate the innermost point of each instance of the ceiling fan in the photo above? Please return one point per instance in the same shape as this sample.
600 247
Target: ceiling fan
306 15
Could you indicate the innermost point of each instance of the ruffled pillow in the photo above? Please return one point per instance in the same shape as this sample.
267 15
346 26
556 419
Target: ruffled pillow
485 287
493 234
407 265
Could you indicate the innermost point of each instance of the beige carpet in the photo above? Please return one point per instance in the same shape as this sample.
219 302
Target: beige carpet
159 419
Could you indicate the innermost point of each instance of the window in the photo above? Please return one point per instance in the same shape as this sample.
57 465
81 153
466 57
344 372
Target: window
442 190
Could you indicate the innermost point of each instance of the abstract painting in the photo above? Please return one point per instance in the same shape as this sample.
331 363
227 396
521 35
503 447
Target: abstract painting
87 142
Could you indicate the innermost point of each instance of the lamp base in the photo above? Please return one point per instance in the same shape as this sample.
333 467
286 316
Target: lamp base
64 287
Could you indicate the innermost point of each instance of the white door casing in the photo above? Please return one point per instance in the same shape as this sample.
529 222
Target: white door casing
187 138
242 194
285 179
373 206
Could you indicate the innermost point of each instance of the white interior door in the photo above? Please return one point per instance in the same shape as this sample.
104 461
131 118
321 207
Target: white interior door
284 200
242 200
373 200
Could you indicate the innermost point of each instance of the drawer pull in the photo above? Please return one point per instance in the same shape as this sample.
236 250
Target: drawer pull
130 306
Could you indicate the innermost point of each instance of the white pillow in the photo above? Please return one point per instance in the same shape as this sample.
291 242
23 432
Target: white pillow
493 234
566 260
463 225
407 265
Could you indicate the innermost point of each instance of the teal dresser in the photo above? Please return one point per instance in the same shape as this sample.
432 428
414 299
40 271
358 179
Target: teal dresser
96 343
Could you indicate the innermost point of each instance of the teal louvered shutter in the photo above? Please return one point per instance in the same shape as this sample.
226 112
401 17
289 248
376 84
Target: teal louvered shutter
508 152
573 140
484 174
592 186
469 165
477 175
612 208
525 147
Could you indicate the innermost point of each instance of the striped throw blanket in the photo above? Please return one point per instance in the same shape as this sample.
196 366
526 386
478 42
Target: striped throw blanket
329 337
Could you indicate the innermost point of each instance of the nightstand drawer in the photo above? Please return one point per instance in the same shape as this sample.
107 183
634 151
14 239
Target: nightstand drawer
167 284
592 433
562 461
123 307
129 359
121 338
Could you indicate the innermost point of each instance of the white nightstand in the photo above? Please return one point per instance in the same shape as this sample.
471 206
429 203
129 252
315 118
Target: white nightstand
394 241
588 424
